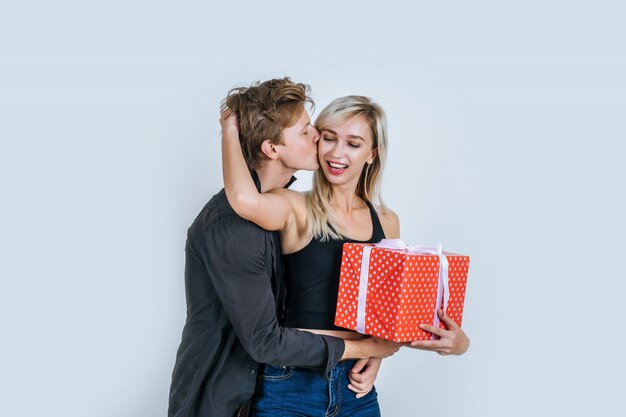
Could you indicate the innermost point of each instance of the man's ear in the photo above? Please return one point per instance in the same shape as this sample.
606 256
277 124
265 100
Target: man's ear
269 149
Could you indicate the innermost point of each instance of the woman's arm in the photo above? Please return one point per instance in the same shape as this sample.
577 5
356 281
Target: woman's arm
270 211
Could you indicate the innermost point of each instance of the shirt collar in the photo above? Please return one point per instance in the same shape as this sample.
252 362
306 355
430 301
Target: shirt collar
291 181
257 181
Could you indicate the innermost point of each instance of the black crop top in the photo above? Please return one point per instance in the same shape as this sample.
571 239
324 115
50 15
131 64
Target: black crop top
312 280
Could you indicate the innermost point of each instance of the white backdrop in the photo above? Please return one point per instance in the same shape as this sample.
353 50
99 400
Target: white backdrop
506 143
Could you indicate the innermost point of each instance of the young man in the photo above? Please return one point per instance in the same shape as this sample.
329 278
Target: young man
233 271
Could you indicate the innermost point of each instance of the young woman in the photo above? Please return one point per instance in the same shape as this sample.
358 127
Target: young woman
343 206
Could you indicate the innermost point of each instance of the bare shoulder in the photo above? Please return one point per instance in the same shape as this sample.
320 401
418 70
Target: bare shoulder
390 222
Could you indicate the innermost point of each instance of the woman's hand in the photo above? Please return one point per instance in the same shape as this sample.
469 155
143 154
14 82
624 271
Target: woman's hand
229 122
451 342
362 376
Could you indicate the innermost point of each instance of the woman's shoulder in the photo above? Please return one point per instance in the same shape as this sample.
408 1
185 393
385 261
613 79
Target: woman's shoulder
389 220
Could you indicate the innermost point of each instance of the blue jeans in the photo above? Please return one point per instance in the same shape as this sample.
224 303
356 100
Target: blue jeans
286 391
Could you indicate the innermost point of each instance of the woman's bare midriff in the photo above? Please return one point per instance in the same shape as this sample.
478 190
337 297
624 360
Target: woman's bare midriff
346 335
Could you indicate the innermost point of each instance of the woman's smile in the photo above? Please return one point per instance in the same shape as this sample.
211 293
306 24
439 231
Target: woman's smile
336 168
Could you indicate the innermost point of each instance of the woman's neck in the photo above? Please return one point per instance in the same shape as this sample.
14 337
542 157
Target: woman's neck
345 200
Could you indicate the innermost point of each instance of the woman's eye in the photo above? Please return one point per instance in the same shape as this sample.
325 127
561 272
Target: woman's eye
327 139
354 145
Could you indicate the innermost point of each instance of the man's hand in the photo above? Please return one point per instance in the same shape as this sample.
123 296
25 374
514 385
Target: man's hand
362 376
452 341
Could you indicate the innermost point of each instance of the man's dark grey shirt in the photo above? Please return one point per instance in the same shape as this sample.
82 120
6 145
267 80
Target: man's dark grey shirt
232 272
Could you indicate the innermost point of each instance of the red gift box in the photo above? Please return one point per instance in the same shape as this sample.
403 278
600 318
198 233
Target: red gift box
388 290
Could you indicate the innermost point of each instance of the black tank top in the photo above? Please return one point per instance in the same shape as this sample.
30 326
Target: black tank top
312 280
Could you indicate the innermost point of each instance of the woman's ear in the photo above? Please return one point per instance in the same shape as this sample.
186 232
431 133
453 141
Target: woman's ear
269 150
370 161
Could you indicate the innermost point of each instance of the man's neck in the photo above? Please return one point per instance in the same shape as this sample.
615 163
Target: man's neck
273 176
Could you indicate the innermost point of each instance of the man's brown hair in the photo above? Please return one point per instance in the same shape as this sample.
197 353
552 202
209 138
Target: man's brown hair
263 111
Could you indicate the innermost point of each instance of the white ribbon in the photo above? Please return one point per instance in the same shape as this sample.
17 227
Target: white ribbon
362 299
443 292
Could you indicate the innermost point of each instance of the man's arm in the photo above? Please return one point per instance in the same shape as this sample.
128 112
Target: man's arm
233 252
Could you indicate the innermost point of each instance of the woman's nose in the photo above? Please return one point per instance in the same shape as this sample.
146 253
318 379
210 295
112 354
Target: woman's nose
337 150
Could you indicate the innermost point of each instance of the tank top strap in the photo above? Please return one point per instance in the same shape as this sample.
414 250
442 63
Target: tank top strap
378 233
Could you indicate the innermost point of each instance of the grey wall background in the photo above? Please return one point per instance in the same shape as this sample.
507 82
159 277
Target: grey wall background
506 125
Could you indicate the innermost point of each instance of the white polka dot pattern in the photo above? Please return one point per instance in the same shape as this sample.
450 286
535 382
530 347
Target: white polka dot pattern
401 291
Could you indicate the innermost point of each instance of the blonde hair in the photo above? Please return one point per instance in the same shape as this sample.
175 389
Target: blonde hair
321 223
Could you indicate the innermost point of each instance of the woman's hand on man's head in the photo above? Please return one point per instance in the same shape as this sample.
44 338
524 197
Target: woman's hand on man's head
228 121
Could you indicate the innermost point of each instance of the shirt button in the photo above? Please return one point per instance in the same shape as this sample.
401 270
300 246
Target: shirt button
252 372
